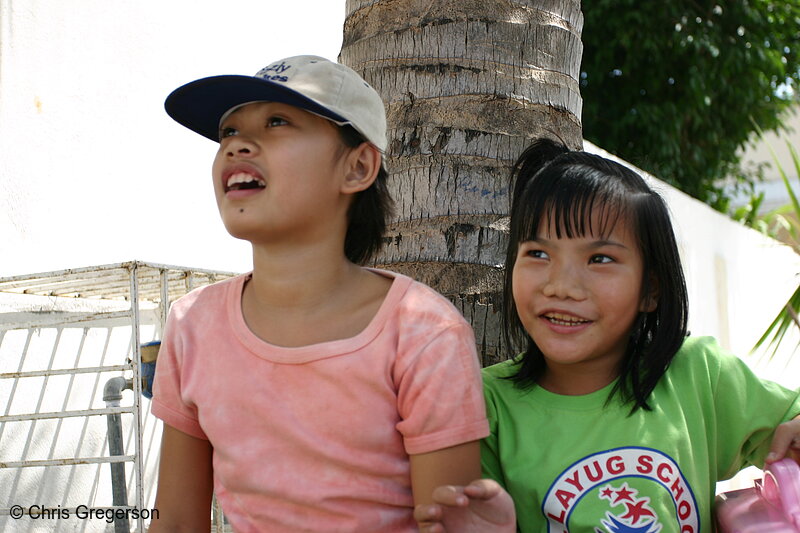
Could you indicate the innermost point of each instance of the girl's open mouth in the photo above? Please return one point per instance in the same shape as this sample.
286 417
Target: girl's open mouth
241 181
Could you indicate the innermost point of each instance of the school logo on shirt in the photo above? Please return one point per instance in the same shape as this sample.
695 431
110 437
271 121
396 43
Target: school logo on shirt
626 490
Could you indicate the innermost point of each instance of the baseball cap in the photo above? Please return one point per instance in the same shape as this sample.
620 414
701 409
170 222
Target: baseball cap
328 89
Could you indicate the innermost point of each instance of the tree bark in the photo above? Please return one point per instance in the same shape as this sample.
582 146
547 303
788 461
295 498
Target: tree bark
467 85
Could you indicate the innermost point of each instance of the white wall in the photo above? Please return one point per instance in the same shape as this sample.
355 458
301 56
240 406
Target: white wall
92 169
762 150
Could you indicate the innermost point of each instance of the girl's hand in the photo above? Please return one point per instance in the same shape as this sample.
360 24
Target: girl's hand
785 442
479 507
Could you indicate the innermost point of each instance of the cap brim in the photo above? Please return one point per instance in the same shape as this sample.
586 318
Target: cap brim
199 105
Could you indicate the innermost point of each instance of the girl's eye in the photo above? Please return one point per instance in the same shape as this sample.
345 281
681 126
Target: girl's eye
276 121
537 254
601 259
227 132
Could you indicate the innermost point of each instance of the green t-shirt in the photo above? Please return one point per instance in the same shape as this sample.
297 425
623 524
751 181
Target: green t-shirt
573 463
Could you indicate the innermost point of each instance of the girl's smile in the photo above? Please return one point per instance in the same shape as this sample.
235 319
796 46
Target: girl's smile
578 298
564 322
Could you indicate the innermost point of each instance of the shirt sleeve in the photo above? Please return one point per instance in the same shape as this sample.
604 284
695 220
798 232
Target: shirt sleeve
171 370
440 400
490 453
748 409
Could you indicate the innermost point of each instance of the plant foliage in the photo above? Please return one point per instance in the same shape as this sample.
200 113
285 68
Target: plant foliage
788 219
671 86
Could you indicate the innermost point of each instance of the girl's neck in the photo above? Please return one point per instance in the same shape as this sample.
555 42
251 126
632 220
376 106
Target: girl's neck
297 277
299 299
576 381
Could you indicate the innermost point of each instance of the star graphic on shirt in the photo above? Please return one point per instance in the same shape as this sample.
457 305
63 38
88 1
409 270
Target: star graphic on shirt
607 492
624 494
636 511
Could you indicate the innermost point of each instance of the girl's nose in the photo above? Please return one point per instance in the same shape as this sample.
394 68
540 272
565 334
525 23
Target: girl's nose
564 283
241 146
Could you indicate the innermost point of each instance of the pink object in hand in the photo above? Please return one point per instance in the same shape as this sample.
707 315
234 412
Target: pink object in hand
772 506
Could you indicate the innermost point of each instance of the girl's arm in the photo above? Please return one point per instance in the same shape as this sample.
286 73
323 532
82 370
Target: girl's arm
185 484
442 502
457 465
786 442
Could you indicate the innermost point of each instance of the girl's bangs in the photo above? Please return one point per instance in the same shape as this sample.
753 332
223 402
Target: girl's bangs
574 210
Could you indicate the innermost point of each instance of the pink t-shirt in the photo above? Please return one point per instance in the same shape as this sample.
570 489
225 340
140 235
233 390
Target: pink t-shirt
317 438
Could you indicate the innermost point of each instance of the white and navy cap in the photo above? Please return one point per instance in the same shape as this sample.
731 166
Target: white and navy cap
330 90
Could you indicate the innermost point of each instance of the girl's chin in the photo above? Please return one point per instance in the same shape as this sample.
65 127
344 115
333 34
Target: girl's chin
241 230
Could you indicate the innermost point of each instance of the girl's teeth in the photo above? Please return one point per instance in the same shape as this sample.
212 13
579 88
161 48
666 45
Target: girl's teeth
244 177
563 320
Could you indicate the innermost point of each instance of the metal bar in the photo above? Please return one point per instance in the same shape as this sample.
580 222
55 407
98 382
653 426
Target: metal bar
60 423
65 371
57 318
119 489
64 414
14 385
137 391
74 470
68 273
25 283
114 281
32 426
164 305
69 461
10 402
72 285
95 388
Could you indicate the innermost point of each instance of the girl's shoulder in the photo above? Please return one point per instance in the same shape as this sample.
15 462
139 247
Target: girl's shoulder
497 377
501 370
413 301
703 352
702 362
209 297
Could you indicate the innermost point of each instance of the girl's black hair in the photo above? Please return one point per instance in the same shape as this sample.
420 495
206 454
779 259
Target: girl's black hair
550 182
369 212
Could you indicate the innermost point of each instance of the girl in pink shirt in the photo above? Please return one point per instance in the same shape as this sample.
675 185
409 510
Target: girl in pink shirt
312 394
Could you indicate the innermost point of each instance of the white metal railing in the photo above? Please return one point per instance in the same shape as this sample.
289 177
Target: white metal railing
131 285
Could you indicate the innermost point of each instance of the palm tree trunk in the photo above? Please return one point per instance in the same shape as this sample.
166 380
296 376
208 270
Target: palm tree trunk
467 85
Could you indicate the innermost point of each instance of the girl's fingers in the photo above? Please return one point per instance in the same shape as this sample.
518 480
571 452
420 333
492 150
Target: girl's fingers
482 489
427 513
786 439
450 495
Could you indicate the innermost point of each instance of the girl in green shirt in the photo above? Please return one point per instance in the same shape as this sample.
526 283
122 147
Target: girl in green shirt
611 419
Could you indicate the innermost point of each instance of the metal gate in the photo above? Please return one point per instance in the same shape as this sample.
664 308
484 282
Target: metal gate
97 303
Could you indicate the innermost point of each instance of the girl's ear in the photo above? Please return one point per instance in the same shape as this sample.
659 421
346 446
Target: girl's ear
650 300
362 166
